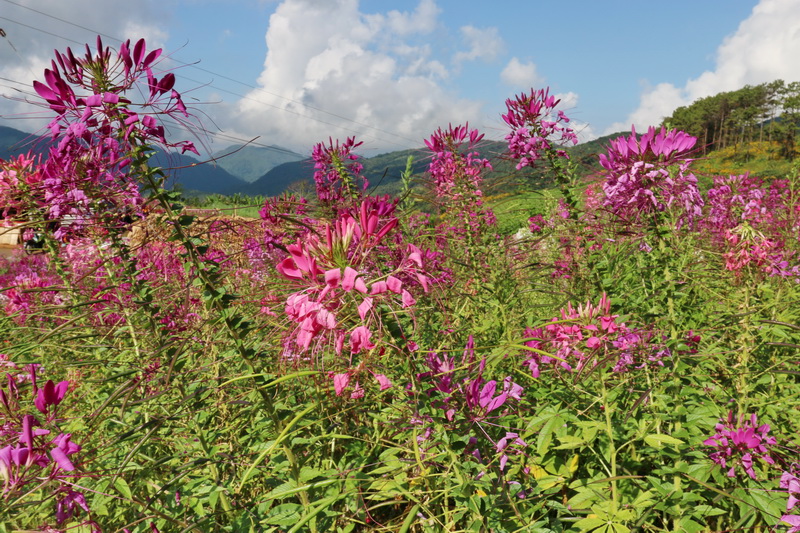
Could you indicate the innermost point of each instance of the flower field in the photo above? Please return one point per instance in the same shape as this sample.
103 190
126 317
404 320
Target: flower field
629 361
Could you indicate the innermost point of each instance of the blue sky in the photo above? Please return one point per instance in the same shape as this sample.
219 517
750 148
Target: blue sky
295 72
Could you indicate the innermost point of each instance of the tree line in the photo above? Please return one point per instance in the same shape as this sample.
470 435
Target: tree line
765 112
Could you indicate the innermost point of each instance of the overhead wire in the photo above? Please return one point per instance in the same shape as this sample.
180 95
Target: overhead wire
260 89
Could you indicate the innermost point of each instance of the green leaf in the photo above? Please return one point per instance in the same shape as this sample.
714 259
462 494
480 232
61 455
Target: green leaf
122 486
285 514
690 526
707 510
569 442
590 524
546 434
658 440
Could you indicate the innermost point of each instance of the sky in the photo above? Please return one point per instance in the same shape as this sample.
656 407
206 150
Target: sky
297 72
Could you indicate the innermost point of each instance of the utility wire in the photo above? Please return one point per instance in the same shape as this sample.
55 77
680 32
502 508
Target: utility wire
224 77
339 126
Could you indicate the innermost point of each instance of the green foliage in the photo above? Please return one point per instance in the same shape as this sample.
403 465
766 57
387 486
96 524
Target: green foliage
225 425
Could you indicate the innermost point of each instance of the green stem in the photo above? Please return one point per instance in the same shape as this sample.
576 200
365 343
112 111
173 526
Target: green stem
612 450
232 323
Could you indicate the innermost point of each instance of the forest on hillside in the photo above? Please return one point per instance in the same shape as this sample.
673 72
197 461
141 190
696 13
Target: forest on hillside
764 112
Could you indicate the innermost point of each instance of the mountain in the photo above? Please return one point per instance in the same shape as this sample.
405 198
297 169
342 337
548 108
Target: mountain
248 162
14 142
182 170
383 171
236 173
194 177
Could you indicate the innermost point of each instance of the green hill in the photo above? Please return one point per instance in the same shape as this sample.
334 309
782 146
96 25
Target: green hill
384 171
248 162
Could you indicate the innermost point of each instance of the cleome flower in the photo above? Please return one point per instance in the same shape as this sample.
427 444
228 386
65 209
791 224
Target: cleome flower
590 336
739 442
651 174
536 128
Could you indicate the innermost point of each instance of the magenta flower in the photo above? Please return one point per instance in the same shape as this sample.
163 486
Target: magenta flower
740 442
791 482
338 176
456 174
651 174
87 177
360 340
477 396
333 271
69 505
383 381
585 337
508 444
536 128
340 383
50 395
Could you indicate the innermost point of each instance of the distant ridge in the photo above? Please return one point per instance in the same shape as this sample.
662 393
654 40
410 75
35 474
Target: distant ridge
249 163
269 171
182 170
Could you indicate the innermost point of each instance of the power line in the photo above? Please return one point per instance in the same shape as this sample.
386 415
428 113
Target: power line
41 30
227 78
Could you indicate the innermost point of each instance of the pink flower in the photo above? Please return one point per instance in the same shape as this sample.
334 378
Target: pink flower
383 381
639 179
741 441
338 176
455 174
791 483
364 308
534 128
68 505
408 300
360 339
792 520
340 382
505 445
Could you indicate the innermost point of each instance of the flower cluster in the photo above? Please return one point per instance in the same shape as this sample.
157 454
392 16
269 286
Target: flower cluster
30 454
536 127
28 278
103 79
87 181
790 481
589 336
456 173
751 222
456 392
739 441
339 280
651 174
463 389
749 247
337 173
21 188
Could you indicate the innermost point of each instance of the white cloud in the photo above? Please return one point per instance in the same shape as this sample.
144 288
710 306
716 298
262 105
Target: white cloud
568 103
421 20
483 43
333 71
154 36
764 48
521 75
655 104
